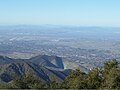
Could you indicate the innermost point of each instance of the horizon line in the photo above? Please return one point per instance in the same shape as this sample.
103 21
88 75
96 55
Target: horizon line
69 25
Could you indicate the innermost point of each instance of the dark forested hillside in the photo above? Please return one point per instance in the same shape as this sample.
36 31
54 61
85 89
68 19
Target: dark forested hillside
46 68
47 72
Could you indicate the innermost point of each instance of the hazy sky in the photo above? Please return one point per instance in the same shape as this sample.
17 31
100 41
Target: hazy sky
63 12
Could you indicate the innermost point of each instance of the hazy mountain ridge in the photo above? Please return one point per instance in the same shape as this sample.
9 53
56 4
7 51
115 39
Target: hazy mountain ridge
49 61
46 68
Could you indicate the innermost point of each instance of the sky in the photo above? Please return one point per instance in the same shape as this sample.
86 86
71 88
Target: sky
60 12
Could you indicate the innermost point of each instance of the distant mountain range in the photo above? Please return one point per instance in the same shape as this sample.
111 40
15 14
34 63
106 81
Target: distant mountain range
46 68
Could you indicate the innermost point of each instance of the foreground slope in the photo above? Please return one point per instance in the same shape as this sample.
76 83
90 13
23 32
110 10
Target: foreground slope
46 68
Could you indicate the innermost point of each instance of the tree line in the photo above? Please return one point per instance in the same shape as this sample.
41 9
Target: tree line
106 77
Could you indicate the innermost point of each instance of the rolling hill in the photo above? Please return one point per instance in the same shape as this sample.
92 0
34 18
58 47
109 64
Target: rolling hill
46 68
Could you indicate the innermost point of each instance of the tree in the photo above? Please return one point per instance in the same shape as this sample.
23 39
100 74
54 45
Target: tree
94 79
113 79
76 80
54 85
27 82
109 65
111 75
